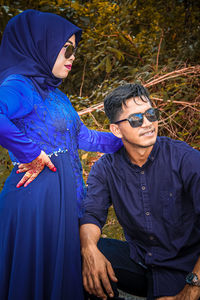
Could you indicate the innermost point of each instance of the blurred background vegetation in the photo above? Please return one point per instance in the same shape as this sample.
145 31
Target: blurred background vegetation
152 42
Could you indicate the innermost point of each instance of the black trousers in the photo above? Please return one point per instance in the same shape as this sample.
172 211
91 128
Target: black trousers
132 278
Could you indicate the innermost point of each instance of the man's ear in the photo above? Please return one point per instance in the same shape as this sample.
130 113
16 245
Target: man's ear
114 128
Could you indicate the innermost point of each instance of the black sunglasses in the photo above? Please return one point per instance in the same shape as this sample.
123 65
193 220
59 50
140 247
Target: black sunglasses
136 120
70 50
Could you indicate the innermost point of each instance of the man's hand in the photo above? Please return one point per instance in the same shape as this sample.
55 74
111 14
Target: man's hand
188 293
97 273
34 168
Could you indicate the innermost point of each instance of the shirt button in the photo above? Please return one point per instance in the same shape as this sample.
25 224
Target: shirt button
147 213
142 172
150 254
143 188
170 194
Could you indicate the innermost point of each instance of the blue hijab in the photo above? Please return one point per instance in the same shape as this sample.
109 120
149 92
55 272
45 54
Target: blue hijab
30 45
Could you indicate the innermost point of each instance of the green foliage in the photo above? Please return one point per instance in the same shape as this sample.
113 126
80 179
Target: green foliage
112 228
5 166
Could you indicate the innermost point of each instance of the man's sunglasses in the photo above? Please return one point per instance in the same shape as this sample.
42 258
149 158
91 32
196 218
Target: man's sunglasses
70 50
136 120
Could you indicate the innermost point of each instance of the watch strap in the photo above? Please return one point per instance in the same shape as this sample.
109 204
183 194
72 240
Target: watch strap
192 279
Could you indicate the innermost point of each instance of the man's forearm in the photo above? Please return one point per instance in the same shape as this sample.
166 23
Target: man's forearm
197 268
189 291
89 235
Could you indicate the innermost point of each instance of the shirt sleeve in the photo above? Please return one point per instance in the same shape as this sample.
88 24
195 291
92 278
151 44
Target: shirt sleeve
190 172
16 102
97 199
92 140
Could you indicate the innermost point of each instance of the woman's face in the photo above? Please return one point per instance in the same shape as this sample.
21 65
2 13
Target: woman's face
63 65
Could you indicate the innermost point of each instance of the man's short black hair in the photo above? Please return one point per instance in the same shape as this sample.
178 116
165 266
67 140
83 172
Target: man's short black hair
117 98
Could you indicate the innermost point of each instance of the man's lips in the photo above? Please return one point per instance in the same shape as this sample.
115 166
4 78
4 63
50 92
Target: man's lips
68 67
148 133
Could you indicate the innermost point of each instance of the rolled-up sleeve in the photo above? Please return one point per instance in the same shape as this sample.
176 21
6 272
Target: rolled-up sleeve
98 199
190 173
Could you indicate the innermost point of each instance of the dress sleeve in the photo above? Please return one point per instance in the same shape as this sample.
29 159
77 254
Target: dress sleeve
97 200
16 102
92 140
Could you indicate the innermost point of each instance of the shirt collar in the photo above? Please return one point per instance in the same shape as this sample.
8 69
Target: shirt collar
150 159
154 151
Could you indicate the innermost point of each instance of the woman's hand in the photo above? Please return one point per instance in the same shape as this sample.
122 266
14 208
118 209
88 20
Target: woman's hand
34 168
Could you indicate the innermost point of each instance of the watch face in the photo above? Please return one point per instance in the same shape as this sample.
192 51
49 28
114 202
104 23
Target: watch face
195 278
189 278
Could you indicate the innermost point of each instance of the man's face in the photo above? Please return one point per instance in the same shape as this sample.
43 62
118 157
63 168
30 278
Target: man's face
143 136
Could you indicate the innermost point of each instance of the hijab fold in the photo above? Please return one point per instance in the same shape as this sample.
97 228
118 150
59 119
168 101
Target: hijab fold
30 45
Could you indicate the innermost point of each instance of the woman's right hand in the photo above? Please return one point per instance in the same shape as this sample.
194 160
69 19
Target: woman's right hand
34 168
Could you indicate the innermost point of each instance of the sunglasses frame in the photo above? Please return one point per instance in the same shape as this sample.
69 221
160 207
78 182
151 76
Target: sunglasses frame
138 123
73 52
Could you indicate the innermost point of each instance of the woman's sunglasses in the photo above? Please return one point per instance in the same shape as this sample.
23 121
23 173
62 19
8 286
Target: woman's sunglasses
70 50
136 120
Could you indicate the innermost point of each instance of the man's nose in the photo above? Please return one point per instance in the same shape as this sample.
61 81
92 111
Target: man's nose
146 122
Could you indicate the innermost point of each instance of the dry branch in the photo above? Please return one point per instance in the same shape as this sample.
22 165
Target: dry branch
83 78
189 71
157 58
90 109
192 71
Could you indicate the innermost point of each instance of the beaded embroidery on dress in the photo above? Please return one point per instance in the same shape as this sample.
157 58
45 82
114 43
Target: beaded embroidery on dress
53 125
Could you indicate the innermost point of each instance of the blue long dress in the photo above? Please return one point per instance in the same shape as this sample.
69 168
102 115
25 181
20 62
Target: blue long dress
39 234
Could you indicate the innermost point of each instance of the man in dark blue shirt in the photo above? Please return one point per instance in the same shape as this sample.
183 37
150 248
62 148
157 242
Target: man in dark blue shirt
154 185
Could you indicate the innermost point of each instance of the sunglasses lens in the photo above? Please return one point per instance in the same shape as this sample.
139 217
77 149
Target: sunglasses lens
152 114
69 50
136 120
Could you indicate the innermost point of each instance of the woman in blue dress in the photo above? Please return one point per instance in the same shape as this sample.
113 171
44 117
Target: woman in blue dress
39 234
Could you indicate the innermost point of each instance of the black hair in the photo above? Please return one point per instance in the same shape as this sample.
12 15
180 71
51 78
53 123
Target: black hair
117 98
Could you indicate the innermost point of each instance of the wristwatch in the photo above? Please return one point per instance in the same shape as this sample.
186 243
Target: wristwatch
192 279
